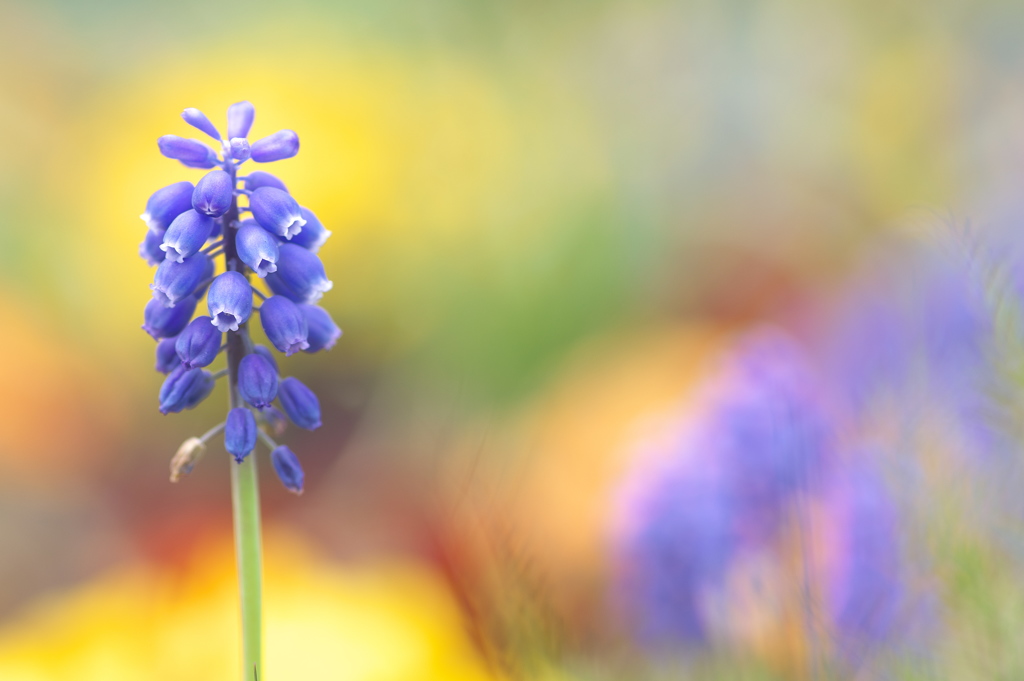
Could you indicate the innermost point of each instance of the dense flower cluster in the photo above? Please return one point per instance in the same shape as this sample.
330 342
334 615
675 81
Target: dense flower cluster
189 227
708 526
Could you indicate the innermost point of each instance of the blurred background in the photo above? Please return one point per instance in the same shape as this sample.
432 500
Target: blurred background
681 340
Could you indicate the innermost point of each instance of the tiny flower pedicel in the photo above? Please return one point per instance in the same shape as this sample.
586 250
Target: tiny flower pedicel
190 227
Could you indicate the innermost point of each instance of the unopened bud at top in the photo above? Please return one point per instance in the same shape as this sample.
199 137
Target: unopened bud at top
281 145
213 194
239 149
166 204
276 211
240 116
230 301
284 325
192 153
197 119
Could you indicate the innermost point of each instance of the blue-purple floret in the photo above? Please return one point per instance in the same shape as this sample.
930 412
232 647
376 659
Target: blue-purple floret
300 403
288 469
190 225
276 211
240 433
257 380
186 235
213 194
199 344
166 204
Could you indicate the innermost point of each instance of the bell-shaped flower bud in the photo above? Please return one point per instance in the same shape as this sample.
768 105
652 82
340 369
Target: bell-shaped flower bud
167 356
149 249
184 388
276 211
175 281
192 153
213 194
313 234
197 119
281 145
300 403
323 333
257 380
199 344
256 247
240 116
160 321
239 149
186 235
240 433
166 204
230 301
187 456
258 178
300 275
284 325
288 469
268 355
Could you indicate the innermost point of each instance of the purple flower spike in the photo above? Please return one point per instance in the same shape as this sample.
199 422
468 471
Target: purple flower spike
276 211
199 344
313 234
323 332
230 301
284 325
300 275
167 356
257 248
300 403
165 322
149 249
288 469
184 388
186 235
258 178
213 194
174 281
197 119
257 380
166 204
240 116
279 146
239 149
192 153
240 433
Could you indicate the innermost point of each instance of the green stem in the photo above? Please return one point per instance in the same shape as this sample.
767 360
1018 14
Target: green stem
245 493
245 497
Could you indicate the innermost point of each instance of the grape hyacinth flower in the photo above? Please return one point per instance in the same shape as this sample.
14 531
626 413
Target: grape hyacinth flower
189 226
